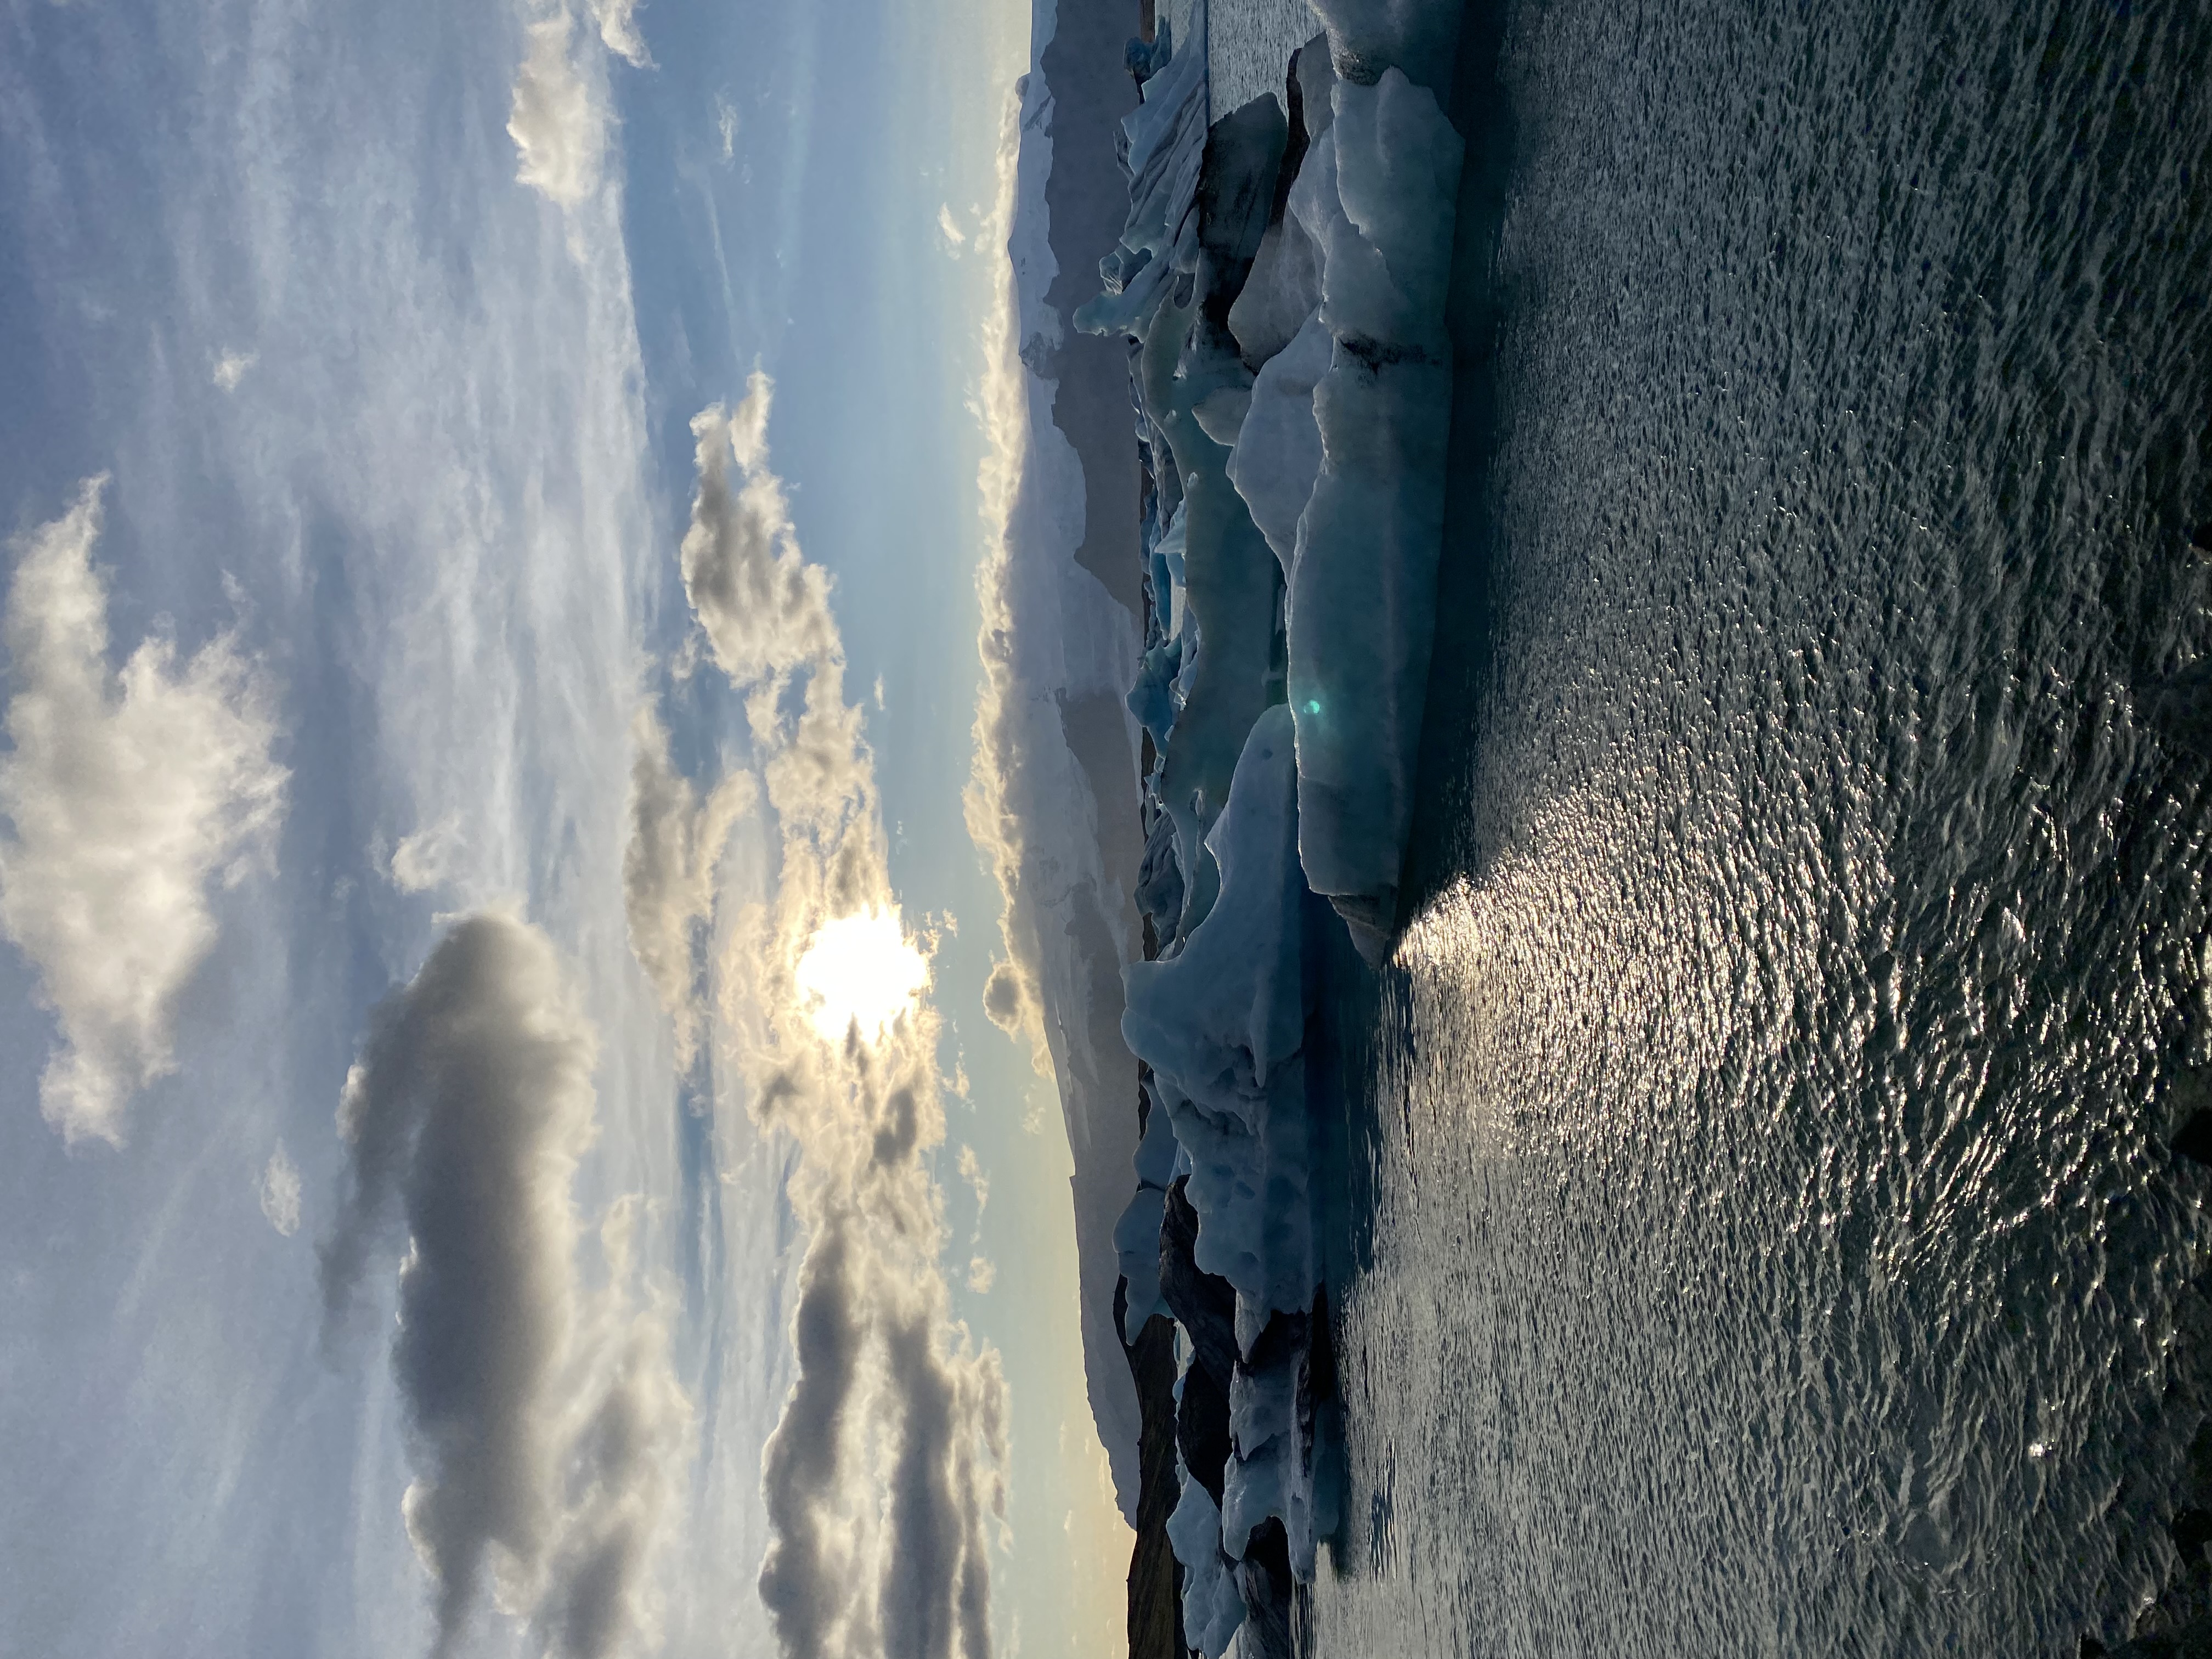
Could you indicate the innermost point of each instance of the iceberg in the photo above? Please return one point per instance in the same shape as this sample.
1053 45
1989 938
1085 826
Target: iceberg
1376 195
1219 1023
1213 1604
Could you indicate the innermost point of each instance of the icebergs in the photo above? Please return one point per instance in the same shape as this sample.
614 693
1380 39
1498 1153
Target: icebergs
1165 140
1290 371
1216 1020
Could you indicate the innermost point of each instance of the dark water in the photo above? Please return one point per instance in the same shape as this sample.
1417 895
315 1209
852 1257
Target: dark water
1779 1246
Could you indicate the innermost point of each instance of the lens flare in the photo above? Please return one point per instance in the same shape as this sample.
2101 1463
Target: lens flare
859 969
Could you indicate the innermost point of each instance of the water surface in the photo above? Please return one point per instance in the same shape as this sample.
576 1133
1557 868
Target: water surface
1778 1243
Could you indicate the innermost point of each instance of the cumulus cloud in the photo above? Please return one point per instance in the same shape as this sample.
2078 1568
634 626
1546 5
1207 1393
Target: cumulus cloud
558 121
765 608
949 227
543 1422
668 870
230 368
280 1192
886 1471
127 795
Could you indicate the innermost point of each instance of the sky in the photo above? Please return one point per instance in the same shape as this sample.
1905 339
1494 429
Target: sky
494 496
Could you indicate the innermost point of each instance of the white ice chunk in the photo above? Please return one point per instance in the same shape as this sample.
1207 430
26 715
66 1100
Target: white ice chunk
1269 1474
1361 612
1281 293
1212 1608
1137 1242
1220 413
1155 1155
1170 553
1166 137
1262 1406
1218 1018
1221 1024
1397 164
1278 451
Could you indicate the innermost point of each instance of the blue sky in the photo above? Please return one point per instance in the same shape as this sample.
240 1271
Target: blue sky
398 454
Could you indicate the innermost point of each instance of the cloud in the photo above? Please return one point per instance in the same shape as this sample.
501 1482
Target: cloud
425 859
765 609
127 794
558 121
971 1171
617 21
230 368
280 1192
983 1273
885 1474
949 227
1011 996
543 1422
668 870
726 127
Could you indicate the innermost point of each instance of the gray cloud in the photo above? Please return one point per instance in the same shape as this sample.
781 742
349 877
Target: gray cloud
558 120
540 1421
668 870
856 1568
127 794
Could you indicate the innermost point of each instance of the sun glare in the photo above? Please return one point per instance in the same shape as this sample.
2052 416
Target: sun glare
860 969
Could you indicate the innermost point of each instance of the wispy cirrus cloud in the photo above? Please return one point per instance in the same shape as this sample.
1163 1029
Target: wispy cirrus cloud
279 1191
128 796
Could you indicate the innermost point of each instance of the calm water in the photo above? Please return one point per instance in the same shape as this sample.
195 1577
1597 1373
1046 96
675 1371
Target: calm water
1778 1247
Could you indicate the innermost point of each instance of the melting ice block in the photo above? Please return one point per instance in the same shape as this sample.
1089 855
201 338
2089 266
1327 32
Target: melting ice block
1212 1607
1278 450
1222 1024
1361 613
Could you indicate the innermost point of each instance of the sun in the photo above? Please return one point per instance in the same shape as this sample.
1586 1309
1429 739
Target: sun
859 969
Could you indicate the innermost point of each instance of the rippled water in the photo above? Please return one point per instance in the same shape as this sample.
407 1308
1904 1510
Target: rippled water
1778 1247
